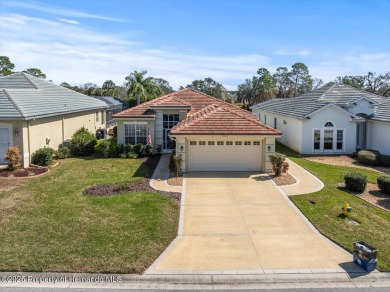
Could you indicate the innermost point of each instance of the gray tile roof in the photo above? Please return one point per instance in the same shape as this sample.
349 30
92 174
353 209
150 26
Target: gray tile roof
338 94
25 97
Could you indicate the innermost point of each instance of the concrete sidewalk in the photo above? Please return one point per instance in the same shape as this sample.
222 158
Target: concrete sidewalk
306 182
159 179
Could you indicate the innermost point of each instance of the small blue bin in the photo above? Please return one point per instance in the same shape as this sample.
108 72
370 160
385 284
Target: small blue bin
369 266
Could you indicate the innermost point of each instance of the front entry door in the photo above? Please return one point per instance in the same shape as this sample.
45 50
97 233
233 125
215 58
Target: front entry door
169 144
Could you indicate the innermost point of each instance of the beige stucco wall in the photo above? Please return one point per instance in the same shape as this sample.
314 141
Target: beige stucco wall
121 129
51 131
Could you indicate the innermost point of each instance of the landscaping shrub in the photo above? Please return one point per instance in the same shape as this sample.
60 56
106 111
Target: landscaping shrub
102 148
132 155
286 166
277 161
384 183
172 163
368 157
138 148
43 156
175 164
82 142
13 157
355 181
115 149
129 148
384 160
149 149
62 152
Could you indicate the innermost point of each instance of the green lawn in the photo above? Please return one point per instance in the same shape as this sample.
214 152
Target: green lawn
49 225
374 222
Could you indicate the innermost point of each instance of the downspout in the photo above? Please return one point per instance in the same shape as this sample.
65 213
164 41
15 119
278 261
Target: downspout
28 142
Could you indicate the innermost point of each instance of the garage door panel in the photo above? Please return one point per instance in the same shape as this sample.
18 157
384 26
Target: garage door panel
225 157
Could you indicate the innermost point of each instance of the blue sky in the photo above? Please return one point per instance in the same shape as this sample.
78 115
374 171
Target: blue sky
92 41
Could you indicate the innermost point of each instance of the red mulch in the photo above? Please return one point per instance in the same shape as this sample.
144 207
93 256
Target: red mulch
25 172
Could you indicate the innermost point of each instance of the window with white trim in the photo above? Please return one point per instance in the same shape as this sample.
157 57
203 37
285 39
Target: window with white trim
317 140
256 143
192 142
202 143
135 134
220 143
238 143
340 140
211 143
229 143
247 143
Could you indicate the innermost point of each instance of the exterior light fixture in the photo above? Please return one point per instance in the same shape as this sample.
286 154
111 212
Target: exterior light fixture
16 132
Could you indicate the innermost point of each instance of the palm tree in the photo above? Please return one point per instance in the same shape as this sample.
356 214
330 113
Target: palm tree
141 87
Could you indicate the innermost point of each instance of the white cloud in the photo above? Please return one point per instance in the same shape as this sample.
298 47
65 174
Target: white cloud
69 21
58 10
76 54
287 52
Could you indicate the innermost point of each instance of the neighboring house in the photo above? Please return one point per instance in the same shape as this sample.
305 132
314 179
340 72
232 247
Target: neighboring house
115 105
35 113
334 119
210 135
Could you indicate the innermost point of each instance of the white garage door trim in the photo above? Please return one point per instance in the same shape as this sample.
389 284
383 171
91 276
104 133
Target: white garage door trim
220 155
5 140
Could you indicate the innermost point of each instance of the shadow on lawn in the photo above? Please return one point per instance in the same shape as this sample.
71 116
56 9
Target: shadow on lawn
150 163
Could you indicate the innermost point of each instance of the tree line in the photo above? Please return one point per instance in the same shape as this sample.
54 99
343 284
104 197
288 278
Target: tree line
283 83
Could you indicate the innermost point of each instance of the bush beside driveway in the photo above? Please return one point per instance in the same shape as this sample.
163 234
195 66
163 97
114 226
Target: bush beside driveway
323 209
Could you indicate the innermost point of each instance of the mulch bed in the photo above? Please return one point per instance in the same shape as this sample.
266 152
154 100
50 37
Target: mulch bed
143 185
372 195
345 160
175 180
284 179
25 172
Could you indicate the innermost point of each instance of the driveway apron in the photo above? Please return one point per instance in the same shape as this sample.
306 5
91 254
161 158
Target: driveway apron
242 222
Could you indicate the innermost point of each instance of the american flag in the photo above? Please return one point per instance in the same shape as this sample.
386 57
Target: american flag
149 137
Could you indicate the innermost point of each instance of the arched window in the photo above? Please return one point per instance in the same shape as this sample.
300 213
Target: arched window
328 124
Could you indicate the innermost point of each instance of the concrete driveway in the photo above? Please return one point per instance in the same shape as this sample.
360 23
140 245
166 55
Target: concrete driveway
241 222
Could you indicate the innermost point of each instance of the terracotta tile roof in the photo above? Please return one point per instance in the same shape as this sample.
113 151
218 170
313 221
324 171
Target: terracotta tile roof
223 119
183 98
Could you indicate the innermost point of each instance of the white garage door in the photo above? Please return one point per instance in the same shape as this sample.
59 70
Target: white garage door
4 143
244 155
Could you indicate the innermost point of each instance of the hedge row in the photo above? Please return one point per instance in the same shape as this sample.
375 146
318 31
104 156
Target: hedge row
374 158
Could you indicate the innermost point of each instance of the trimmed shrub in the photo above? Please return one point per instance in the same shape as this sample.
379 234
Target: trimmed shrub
43 156
285 167
13 157
82 142
149 149
384 160
175 164
132 155
355 181
368 157
172 163
102 148
384 183
128 148
138 148
277 161
115 149
62 152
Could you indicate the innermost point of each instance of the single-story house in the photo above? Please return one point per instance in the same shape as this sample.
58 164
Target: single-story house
334 119
209 134
35 113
